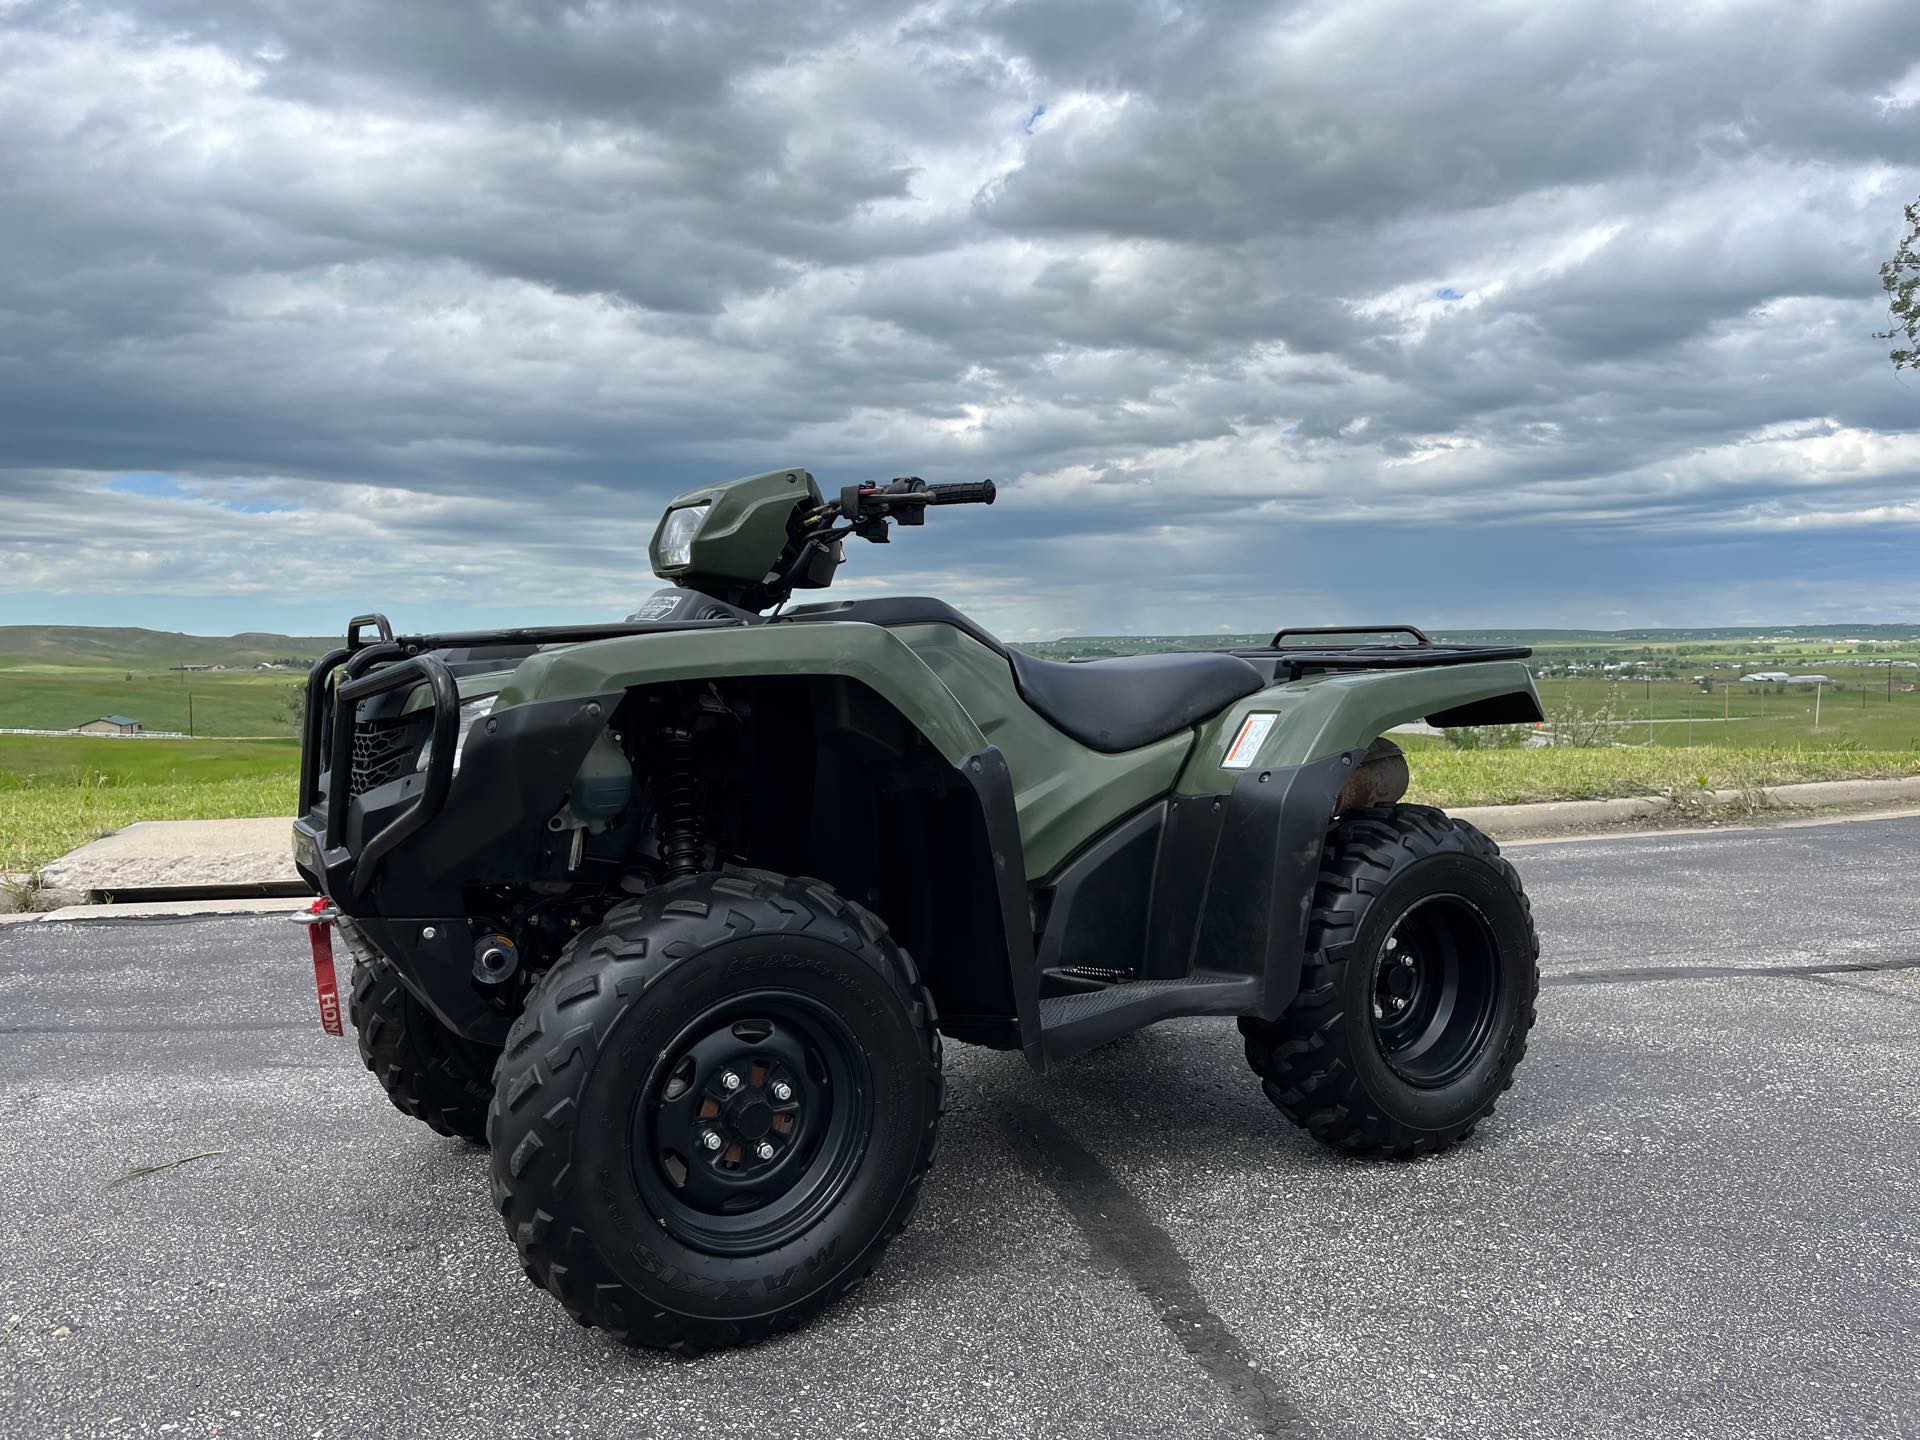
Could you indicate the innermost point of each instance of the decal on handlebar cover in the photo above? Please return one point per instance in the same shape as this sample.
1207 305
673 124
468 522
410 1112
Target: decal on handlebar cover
1246 744
658 608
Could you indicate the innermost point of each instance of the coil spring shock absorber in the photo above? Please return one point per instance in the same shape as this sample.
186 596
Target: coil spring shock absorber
681 819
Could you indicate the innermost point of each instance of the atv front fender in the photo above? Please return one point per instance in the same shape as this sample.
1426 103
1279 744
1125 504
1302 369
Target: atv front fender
866 653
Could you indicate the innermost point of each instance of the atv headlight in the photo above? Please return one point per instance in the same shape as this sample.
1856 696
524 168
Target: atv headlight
677 532
471 711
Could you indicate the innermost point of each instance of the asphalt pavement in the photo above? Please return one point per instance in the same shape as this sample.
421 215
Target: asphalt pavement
1697 1213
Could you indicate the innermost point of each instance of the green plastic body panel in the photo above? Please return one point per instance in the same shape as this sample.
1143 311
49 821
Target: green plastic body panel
1065 793
1325 714
471 687
743 534
957 692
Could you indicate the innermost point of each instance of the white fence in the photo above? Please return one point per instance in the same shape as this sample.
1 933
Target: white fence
116 735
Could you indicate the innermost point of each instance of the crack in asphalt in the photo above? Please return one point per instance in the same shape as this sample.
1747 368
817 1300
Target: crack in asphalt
1727 972
1127 1237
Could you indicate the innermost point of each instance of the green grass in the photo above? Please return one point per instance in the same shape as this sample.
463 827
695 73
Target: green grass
69 761
58 792
1448 777
223 703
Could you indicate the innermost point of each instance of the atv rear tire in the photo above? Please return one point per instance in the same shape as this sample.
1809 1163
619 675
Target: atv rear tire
427 1071
716 1110
1417 991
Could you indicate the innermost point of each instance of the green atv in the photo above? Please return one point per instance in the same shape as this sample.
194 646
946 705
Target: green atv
673 914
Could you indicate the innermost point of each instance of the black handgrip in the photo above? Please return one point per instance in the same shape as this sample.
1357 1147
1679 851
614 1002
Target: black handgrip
965 493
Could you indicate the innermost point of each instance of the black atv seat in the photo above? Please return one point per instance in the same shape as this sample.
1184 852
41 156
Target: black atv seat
1107 705
1131 700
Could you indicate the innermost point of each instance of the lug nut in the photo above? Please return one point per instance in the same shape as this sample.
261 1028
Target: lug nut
730 1080
782 1090
763 1150
1407 960
711 1140
1399 1003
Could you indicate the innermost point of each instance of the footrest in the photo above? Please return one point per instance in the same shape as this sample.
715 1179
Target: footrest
1071 1024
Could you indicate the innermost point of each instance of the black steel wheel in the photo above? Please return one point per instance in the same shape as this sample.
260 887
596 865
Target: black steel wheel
752 1122
1417 990
716 1110
1436 986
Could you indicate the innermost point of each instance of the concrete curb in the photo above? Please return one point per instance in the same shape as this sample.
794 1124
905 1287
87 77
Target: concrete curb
1510 822
181 855
161 909
175 855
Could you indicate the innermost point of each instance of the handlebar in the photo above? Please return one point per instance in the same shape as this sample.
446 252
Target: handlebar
965 493
867 508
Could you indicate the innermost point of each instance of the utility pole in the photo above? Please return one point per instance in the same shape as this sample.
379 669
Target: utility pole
1816 704
189 714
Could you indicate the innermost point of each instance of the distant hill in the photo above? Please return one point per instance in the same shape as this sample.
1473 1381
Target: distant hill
150 650
1093 645
136 649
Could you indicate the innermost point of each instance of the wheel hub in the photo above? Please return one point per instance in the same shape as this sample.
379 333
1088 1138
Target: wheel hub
749 1116
1435 990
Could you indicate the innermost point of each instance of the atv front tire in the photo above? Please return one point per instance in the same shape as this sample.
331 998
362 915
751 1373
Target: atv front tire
716 1110
427 1071
1417 990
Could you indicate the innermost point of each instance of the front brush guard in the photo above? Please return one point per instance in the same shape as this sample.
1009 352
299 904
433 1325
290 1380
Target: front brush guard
343 872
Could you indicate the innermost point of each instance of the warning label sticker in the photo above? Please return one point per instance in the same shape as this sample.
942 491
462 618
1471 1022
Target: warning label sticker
1246 744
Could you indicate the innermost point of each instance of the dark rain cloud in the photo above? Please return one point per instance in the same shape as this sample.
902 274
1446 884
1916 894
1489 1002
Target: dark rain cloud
1233 296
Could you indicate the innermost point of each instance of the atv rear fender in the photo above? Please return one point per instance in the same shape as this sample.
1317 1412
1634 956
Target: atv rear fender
1211 888
1325 714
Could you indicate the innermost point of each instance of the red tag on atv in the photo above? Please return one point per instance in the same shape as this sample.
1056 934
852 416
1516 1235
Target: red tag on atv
320 937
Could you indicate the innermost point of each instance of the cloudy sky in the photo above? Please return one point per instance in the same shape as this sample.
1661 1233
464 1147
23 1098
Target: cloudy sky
1503 313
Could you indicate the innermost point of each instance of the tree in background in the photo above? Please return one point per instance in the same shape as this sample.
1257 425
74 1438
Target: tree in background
1900 278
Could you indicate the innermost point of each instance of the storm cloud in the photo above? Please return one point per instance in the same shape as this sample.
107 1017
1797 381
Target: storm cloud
1505 313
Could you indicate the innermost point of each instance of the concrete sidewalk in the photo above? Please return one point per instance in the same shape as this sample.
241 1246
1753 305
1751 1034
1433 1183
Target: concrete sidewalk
163 859
234 857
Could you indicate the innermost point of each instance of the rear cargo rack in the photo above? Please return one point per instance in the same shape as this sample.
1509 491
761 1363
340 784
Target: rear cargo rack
1421 652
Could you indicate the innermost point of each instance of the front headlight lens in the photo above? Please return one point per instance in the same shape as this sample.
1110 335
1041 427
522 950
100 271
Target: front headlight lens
676 535
471 713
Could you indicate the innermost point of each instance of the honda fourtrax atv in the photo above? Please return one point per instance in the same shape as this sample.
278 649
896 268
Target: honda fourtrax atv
673 914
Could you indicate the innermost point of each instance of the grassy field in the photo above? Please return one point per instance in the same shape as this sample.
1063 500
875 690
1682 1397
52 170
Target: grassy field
214 703
58 792
1858 710
1448 777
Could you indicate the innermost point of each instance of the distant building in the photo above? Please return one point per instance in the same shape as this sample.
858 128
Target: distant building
269 665
109 725
1808 680
1767 677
